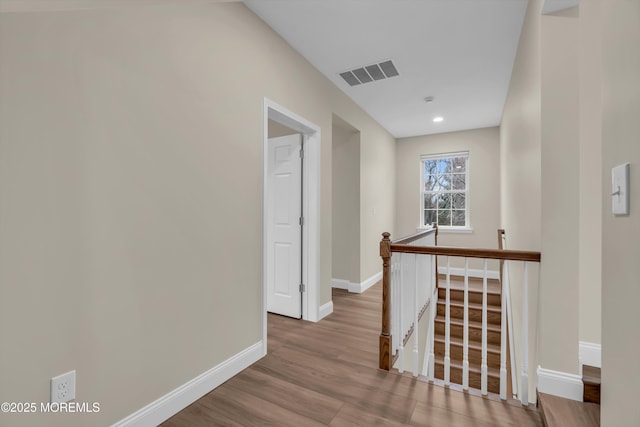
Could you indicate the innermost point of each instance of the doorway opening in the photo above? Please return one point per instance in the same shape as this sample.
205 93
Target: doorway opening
279 120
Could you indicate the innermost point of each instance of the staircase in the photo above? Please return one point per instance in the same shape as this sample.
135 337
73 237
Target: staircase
475 331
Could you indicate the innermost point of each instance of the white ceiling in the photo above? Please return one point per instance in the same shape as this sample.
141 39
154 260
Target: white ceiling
459 51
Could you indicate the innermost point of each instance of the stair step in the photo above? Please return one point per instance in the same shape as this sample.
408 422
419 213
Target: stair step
456 295
560 412
475 283
475 296
475 351
475 330
591 379
475 311
475 376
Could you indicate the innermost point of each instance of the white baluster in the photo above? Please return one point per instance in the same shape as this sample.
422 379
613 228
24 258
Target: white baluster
503 341
427 289
525 336
447 326
465 334
484 367
424 293
512 341
401 309
392 307
395 308
416 353
432 317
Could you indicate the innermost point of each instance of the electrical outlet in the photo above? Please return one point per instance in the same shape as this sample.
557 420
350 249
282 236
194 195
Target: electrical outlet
63 387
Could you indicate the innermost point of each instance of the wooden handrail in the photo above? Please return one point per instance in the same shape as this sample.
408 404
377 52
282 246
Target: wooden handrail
387 248
468 252
414 237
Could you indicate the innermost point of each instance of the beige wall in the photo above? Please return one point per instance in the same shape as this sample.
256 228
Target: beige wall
520 168
276 129
131 195
550 146
484 188
484 184
377 196
591 202
621 235
346 202
559 291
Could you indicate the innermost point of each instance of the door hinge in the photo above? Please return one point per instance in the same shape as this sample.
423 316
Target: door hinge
301 221
302 288
302 153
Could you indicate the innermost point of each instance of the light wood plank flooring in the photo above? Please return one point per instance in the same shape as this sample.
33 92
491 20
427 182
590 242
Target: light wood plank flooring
559 412
319 374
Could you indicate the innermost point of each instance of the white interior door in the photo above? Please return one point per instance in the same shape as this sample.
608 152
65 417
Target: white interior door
284 229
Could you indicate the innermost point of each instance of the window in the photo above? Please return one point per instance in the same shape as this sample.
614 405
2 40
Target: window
444 187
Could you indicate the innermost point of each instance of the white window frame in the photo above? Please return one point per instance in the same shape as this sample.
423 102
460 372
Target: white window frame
447 228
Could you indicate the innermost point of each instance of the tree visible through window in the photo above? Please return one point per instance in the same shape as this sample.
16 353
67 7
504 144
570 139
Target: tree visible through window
444 190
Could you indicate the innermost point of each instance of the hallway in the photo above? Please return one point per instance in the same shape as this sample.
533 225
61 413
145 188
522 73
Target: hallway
326 373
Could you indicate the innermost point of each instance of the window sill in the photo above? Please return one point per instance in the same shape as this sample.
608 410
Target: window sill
449 230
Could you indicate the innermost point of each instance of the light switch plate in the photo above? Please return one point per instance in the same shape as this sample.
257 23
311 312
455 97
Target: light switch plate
620 189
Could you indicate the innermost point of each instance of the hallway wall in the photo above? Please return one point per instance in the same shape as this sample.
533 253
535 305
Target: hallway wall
131 194
550 147
484 186
345 215
621 235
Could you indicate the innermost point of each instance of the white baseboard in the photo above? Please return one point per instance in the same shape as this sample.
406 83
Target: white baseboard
357 288
341 284
370 282
590 354
178 399
560 384
473 272
325 310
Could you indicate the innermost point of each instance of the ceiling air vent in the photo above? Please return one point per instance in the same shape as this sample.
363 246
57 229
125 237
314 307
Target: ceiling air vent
370 73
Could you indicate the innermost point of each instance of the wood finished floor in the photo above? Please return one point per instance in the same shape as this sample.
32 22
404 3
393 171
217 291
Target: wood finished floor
325 374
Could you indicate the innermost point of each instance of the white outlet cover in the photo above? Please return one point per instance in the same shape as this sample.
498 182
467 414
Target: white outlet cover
620 189
63 387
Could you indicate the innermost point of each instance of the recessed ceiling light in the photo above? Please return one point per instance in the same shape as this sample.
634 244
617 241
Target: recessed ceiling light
438 119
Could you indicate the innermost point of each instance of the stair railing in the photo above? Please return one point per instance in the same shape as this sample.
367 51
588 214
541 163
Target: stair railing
410 273
409 288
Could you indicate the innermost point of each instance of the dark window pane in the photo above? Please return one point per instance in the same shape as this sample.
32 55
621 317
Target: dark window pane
445 181
429 217
444 217
459 182
432 183
458 201
458 164
430 201
444 201
458 218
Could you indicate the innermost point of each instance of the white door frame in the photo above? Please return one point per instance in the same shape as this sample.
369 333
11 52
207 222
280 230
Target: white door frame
310 209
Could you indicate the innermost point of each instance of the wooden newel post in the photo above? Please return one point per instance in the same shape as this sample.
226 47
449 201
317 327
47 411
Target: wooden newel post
385 335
